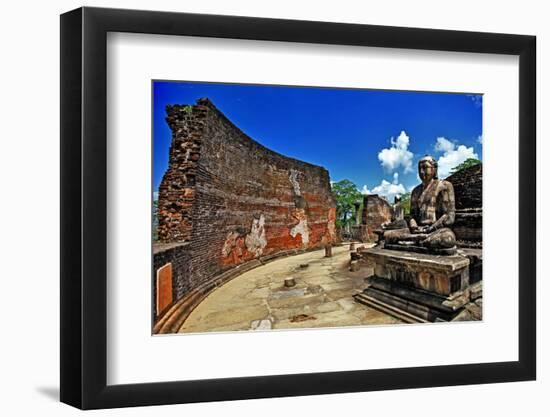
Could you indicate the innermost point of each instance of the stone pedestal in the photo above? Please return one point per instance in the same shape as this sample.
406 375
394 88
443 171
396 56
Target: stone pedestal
290 282
416 287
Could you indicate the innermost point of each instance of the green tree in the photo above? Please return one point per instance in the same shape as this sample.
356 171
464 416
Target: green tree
470 162
406 202
346 194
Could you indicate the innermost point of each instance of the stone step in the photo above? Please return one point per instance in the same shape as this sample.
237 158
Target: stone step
388 309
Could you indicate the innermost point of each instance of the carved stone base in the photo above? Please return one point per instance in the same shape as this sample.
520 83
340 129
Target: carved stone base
423 306
416 287
422 249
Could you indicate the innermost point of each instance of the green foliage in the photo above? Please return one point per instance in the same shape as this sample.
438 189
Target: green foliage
346 194
470 162
188 109
406 202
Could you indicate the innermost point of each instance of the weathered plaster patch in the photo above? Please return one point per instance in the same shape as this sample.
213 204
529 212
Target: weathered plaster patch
256 241
229 244
301 229
331 224
294 181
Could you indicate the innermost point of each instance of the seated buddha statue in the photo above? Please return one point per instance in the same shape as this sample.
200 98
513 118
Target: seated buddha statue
432 214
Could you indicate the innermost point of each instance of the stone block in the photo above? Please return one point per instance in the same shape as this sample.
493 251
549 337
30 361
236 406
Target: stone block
476 263
419 287
354 256
290 282
443 275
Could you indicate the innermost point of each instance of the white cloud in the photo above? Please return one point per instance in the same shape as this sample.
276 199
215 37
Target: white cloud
444 145
398 155
453 155
480 139
387 189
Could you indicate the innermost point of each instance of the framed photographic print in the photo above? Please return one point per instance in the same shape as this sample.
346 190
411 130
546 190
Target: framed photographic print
257 208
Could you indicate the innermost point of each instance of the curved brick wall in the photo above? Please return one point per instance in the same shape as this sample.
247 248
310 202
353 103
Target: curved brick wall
233 200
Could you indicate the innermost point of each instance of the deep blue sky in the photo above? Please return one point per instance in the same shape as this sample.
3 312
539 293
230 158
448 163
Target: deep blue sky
343 130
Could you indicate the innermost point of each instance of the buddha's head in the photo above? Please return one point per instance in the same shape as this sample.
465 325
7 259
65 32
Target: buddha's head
427 169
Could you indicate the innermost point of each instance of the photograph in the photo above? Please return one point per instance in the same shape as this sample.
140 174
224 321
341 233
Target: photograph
279 207
262 206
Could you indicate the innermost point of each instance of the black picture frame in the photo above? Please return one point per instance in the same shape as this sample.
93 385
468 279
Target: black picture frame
84 207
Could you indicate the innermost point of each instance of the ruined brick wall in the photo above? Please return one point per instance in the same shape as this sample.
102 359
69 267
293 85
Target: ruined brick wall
376 211
177 255
177 189
233 199
468 188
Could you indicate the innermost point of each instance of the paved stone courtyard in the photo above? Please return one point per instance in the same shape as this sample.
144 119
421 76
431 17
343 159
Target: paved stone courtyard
258 299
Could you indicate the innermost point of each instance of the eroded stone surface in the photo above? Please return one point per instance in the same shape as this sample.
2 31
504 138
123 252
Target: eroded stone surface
255 240
258 298
428 287
377 212
439 274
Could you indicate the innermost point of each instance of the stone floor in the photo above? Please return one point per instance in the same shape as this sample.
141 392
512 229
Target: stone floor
258 299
